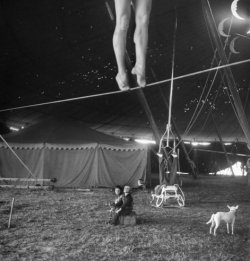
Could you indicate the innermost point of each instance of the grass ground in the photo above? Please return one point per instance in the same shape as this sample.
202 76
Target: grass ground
56 225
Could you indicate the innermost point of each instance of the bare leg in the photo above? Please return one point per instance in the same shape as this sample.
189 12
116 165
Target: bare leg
123 11
142 15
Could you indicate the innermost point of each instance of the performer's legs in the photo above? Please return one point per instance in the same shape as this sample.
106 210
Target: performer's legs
142 15
123 11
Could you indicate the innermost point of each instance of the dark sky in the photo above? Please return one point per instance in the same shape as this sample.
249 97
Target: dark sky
56 49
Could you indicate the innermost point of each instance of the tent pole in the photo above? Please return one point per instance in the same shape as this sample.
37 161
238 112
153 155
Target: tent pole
11 211
148 171
144 103
228 72
246 100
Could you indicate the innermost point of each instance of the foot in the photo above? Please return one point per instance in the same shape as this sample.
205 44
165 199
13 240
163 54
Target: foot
122 82
141 79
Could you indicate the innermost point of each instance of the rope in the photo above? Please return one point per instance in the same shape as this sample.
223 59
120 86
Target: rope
172 84
232 103
210 110
130 90
194 117
231 100
26 167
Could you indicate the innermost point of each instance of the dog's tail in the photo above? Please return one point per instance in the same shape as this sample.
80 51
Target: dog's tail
211 219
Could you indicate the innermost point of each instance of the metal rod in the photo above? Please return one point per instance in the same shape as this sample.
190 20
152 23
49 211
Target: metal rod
11 210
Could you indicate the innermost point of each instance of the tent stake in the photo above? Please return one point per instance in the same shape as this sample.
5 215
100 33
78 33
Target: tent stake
11 210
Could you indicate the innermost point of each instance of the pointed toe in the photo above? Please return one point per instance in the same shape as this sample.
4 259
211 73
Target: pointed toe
123 85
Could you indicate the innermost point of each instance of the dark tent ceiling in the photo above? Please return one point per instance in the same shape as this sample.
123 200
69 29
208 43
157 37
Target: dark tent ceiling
53 50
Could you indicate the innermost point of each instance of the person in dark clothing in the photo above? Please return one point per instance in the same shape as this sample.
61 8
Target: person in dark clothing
118 200
126 206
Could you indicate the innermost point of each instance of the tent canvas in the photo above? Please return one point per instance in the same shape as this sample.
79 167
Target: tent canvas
73 154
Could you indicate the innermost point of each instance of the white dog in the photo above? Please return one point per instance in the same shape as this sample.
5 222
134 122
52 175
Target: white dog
228 217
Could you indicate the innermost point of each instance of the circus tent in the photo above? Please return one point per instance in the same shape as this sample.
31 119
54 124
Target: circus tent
73 154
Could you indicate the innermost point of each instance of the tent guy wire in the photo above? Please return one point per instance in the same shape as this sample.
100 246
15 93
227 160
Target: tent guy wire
172 82
130 90
197 109
19 159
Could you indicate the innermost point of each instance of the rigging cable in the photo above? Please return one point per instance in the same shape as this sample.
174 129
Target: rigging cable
172 84
228 59
26 167
133 89
190 125
222 78
195 117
